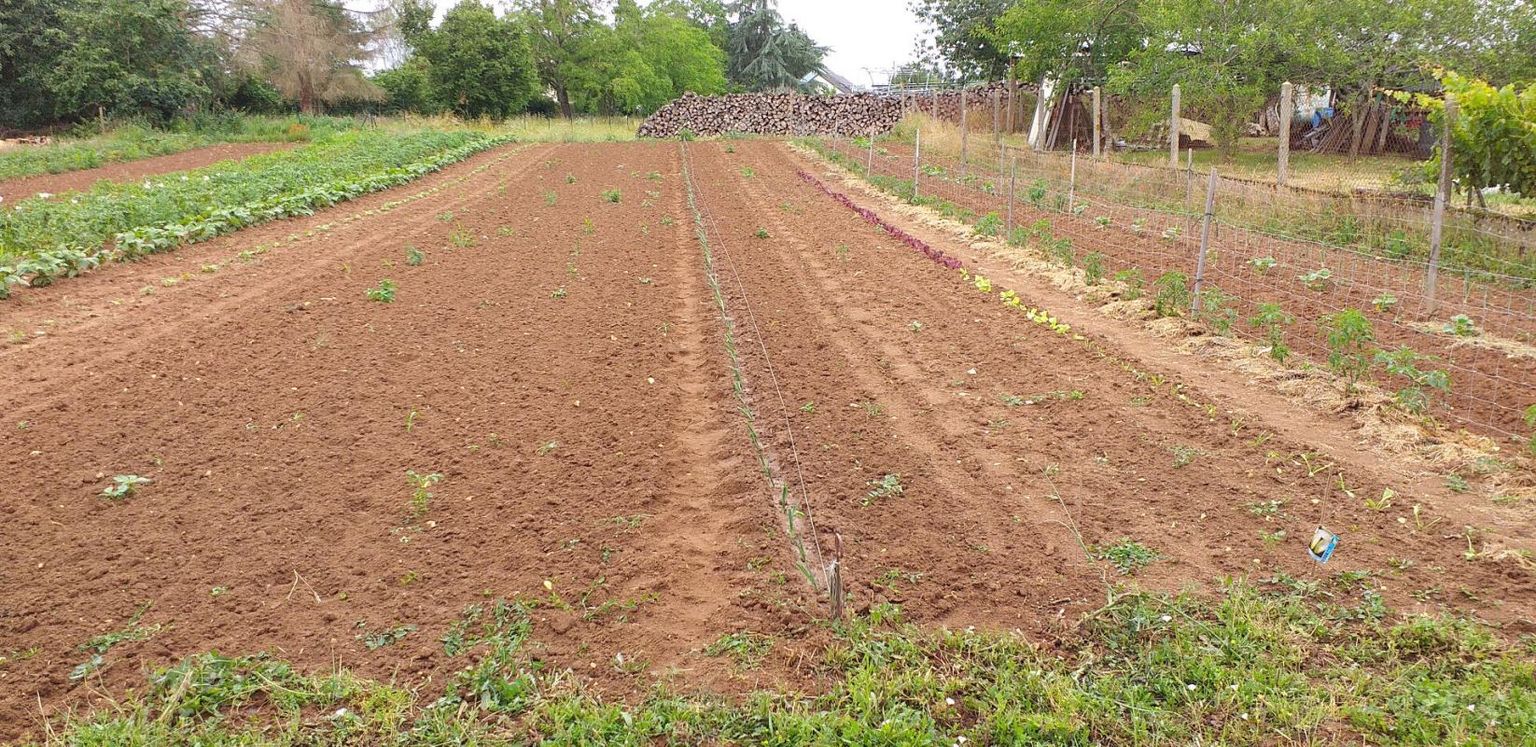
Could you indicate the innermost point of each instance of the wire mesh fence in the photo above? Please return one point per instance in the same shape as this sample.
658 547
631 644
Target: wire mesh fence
1309 253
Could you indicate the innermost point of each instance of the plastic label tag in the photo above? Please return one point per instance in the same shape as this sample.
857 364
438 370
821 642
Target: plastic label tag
1322 545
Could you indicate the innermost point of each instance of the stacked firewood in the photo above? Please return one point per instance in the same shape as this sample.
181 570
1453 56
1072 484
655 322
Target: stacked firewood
797 114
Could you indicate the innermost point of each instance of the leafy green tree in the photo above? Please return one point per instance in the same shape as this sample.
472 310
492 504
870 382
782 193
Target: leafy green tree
72 59
27 53
646 59
1493 138
764 53
477 64
562 33
408 87
1228 57
1068 40
963 35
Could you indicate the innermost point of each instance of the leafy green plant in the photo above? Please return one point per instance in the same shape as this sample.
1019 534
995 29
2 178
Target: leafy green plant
1037 191
1349 337
612 195
1318 279
1262 265
1170 294
383 293
124 486
745 647
1273 320
99 645
413 256
461 238
421 498
1385 302
761 233
1133 283
887 486
558 293
1461 325
550 198
990 224
1415 396
748 172
380 638
1093 268
1127 556
1215 310
1101 222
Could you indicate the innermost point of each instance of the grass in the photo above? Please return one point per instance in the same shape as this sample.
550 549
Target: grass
91 146
1127 556
1267 662
578 130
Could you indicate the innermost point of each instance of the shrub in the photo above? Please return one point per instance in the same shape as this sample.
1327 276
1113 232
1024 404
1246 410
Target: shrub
1404 362
1273 320
1349 339
1170 294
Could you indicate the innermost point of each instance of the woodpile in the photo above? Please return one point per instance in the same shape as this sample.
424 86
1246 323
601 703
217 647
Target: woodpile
796 114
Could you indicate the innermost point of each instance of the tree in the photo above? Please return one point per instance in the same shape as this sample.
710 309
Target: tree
477 64
962 35
27 55
126 57
1228 57
648 58
1068 41
764 52
311 50
561 34
1493 137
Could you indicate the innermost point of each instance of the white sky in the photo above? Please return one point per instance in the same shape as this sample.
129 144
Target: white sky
874 34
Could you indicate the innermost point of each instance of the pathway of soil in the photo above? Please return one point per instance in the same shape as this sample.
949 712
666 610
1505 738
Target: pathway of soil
549 358
1004 499
15 190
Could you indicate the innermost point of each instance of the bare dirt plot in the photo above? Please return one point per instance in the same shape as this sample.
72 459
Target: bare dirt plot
988 418
544 359
19 189
557 359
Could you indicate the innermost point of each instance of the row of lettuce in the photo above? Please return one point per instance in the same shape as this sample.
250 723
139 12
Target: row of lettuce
49 237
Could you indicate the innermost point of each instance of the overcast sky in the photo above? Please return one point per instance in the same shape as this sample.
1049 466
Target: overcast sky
874 34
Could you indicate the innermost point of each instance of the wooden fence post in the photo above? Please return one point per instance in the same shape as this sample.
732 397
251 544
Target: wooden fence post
1072 180
917 158
1173 131
1442 196
1287 107
1013 183
965 135
1205 240
1097 122
869 170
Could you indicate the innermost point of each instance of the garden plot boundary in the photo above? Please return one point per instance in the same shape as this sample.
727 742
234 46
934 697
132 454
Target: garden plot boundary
1142 226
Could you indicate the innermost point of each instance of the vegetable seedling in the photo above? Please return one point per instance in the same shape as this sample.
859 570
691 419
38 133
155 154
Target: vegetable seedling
123 486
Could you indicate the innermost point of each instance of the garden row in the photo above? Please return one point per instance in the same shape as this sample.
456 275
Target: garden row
42 240
1454 365
133 142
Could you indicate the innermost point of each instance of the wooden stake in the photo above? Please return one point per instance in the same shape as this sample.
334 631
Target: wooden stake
1205 240
1173 131
1287 107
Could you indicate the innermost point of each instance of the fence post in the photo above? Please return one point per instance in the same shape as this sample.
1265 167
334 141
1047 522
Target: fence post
1072 180
1097 124
965 135
1173 131
997 116
1013 182
1442 196
917 158
1287 107
869 170
1205 240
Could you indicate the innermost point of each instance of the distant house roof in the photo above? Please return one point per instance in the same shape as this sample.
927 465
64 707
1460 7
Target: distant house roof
843 85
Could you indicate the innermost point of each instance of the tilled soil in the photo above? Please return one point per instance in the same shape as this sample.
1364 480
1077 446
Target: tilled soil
558 359
584 440
13 190
1490 388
